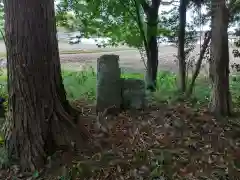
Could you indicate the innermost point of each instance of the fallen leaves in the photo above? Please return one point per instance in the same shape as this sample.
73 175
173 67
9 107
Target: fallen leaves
171 143
164 143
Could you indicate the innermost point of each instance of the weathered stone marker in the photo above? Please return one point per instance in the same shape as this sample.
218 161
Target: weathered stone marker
108 82
133 93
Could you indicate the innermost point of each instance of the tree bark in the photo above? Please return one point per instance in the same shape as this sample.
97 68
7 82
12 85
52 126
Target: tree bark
37 113
181 44
152 46
219 66
152 58
199 62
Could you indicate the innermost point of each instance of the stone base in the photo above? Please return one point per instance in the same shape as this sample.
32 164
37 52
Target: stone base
133 94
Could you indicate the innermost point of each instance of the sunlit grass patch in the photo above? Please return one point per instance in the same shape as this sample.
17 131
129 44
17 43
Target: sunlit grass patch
82 85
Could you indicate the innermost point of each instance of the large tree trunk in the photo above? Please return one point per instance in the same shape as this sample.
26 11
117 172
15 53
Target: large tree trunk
37 101
219 65
181 43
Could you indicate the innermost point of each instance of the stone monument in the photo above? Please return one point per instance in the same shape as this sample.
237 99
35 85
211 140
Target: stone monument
108 83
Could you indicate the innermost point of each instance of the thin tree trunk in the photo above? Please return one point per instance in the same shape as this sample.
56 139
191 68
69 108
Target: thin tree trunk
152 55
152 61
37 116
220 98
199 62
181 43
141 29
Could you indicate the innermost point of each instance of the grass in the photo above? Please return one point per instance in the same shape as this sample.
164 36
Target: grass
82 84
2 54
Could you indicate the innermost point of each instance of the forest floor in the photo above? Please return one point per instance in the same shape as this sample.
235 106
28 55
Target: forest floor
162 142
169 140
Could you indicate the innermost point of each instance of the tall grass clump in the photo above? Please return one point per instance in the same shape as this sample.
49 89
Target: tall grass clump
81 84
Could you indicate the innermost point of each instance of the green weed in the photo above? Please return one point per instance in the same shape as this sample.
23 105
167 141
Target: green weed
82 85
4 161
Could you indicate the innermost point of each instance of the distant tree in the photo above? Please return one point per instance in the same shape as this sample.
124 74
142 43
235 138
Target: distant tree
39 115
183 6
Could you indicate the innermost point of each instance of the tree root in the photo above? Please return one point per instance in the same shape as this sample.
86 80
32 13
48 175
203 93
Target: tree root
31 142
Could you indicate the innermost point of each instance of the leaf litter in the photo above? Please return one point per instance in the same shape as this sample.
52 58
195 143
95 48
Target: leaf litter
160 143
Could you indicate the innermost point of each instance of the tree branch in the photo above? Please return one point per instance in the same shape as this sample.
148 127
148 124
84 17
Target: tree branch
199 62
140 25
145 6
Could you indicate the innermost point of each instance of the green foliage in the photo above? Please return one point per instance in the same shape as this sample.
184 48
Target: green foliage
104 18
82 85
169 19
3 87
236 52
234 6
4 161
120 20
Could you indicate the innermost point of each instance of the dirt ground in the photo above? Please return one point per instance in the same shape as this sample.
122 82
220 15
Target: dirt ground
130 59
162 142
